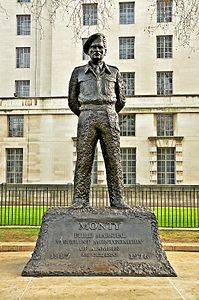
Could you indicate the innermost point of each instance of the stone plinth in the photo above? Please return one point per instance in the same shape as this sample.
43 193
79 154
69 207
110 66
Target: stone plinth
98 242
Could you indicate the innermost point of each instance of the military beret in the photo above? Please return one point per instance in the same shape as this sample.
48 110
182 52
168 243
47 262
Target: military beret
91 39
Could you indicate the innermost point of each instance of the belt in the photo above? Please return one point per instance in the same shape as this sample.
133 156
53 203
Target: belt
98 107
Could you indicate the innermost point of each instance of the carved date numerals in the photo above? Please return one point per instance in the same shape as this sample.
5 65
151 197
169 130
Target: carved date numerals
59 255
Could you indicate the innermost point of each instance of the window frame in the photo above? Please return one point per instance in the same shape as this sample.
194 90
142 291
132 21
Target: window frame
164 82
14 167
85 56
126 14
23 58
23 1
165 124
126 49
129 170
24 92
164 46
164 10
129 81
15 125
166 166
23 29
90 18
127 124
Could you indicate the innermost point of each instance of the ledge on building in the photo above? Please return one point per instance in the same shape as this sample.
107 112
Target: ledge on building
154 138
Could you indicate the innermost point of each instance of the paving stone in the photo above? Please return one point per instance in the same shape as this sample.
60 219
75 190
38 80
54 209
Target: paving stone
185 287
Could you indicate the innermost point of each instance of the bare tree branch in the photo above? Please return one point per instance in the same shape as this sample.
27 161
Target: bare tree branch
185 16
185 20
71 13
3 10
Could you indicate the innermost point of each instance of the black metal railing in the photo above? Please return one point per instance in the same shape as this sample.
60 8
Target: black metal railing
174 205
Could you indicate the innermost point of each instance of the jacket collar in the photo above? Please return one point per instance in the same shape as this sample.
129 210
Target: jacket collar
88 67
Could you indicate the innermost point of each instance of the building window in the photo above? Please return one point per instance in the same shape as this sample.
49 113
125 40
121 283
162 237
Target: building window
166 165
164 46
164 11
90 14
128 158
129 82
23 25
164 83
22 88
164 124
14 165
15 126
127 125
84 55
94 169
126 47
24 1
127 12
23 57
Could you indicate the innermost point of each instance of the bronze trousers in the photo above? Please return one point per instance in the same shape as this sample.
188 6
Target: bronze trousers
99 125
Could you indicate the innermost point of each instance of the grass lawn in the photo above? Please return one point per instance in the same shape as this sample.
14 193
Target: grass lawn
177 217
181 236
18 234
167 217
22 215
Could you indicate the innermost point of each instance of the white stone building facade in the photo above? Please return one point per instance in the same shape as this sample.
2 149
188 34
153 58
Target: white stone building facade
159 124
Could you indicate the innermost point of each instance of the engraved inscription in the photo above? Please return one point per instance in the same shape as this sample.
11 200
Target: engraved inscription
99 226
141 256
62 241
98 254
110 235
59 255
83 235
100 239
119 242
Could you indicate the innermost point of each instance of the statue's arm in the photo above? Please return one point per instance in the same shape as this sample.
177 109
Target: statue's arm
120 93
73 93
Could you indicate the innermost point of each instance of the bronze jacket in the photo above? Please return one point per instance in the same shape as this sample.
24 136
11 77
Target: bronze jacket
87 88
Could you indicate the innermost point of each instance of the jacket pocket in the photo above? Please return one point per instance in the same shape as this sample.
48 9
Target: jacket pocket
108 85
87 87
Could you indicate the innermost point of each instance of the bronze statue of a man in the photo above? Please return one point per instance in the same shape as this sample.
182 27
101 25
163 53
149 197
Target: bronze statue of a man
96 95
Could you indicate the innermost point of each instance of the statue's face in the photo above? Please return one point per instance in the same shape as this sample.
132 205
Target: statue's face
97 50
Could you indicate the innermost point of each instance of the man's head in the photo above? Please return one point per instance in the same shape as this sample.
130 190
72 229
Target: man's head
95 47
